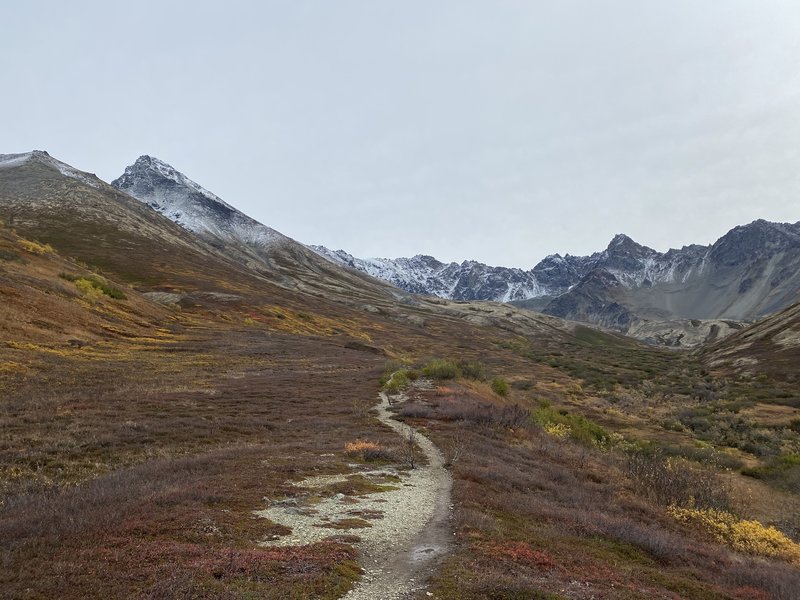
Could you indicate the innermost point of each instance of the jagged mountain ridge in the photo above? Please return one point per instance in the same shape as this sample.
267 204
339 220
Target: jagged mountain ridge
632 264
749 272
425 275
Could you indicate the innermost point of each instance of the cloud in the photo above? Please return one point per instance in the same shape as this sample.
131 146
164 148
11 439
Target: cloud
499 131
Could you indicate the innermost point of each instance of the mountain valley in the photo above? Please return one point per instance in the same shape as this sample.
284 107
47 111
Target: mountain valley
175 374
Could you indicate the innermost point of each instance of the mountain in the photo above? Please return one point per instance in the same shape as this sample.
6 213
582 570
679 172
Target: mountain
748 273
47 200
425 275
239 237
235 263
191 206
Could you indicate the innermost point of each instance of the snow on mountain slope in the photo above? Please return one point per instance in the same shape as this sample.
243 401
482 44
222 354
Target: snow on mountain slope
632 264
237 237
422 274
13 160
177 197
749 272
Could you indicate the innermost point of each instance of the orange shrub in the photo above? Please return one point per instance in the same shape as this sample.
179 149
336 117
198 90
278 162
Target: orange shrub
360 447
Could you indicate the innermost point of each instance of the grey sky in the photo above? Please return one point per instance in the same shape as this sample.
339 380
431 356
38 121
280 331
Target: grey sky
498 131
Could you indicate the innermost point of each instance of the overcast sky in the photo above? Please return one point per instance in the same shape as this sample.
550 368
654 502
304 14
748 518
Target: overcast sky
498 131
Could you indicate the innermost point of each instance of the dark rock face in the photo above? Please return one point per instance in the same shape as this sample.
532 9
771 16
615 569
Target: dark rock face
748 244
748 273
623 254
558 272
593 300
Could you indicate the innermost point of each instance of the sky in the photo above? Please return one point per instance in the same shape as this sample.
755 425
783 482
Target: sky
499 131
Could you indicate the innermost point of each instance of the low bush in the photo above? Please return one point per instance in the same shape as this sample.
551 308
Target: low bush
472 370
84 283
750 537
500 386
367 451
397 383
673 482
558 430
782 471
579 428
483 413
86 288
441 369
417 411
703 453
36 248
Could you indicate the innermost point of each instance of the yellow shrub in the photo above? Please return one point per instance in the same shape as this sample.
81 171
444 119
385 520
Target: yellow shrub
559 430
89 291
36 248
744 536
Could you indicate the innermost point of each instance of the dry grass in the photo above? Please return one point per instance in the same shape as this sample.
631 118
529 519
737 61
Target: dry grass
122 485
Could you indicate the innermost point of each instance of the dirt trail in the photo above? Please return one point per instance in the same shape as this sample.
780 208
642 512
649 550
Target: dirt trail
401 547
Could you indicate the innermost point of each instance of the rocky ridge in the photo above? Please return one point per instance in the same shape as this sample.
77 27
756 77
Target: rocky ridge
749 272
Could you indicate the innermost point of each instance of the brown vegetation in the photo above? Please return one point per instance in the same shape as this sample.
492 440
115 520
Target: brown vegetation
138 439
538 516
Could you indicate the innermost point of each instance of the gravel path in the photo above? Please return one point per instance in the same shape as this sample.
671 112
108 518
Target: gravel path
410 525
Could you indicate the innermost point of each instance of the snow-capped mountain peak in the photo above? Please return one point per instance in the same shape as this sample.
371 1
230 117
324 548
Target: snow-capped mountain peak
173 194
152 164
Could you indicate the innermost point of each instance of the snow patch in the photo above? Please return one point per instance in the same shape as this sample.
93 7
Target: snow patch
15 160
174 195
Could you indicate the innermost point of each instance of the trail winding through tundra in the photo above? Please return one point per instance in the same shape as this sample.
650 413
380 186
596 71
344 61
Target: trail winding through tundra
400 548
419 528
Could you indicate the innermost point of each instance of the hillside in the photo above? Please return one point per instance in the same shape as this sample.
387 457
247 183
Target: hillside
169 396
770 348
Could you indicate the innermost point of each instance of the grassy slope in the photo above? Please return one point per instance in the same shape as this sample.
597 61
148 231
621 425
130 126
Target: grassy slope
132 464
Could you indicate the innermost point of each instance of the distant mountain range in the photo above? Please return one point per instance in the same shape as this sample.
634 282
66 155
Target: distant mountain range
751 271
680 297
